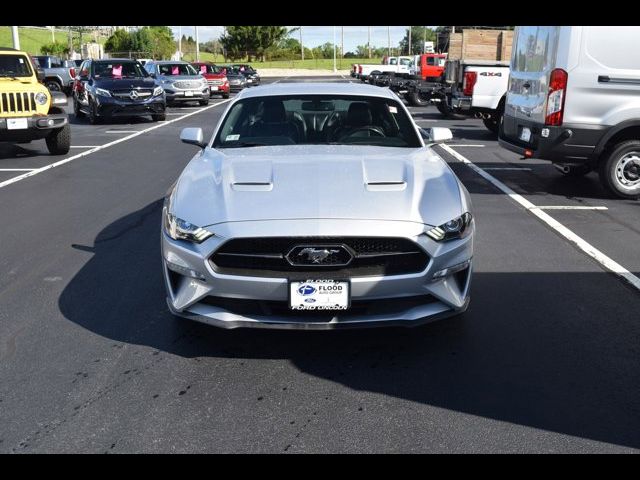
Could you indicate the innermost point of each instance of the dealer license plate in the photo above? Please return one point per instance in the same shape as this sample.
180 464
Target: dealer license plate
214 88
188 93
17 124
319 295
525 134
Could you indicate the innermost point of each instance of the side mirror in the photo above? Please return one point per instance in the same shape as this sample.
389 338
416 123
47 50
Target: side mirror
193 136
436 134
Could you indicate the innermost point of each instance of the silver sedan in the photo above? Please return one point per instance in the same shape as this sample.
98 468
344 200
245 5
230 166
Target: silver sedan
317 206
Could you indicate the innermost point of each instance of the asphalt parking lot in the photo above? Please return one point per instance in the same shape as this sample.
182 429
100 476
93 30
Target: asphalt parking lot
546 359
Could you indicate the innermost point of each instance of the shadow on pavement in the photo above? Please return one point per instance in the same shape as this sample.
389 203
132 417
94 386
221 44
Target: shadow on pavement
538 349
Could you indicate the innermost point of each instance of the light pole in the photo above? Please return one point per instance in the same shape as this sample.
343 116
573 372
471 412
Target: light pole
389 39
197 45
301 45
15 37
53 34
335 69
369 41
341 46
409 49
180 42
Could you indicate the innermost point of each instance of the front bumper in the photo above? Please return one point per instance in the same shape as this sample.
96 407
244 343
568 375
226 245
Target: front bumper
231 301
237 87
568 144
38 126
219 89
182 96
115 107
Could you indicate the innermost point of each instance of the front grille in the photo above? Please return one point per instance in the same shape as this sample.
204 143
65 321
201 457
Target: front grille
215 82
186 84
267 257
18 102
143 94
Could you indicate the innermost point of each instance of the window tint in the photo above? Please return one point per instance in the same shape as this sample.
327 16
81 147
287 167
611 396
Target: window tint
14 66
176 69
317 119
117 69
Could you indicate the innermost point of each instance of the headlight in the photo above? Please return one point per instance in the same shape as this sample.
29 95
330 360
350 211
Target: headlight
41 98
102 92
179 229
453 229
168 82
157 91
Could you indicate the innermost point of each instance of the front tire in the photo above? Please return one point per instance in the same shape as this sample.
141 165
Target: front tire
59 141
53 85
619 170
76 109
417 100
161 117
203 103
493 123
225 95
94 119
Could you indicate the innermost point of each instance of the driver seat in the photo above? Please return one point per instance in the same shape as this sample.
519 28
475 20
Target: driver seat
358 115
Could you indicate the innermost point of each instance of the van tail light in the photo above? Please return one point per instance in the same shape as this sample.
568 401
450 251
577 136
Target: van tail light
556 96
72 72
468 83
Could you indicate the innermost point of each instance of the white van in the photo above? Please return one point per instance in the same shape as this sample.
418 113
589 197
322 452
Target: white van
574 99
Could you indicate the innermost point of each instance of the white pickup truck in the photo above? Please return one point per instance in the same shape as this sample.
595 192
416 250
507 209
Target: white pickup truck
478 88
397 65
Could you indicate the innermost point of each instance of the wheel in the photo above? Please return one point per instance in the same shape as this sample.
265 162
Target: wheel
619 169
53 85
203 103
59 140
577 172
161 117
492 124
94 119
76 109
417 100
225 95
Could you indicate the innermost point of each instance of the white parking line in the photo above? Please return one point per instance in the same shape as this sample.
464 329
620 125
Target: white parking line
466 145
505 168
102 147
567 207
17 169
121 131
84 146
606 262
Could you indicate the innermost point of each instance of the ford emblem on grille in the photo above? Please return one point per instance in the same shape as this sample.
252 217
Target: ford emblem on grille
319 255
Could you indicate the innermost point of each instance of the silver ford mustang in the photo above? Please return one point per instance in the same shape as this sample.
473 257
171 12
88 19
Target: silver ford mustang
317 206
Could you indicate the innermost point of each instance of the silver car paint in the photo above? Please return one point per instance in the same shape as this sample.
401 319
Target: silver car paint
317 190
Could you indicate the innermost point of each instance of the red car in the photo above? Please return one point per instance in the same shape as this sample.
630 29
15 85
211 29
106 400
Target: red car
216 77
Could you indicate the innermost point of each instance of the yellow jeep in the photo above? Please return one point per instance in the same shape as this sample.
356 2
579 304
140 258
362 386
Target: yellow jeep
28 110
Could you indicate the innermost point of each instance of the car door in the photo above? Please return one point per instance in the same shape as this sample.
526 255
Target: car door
532 60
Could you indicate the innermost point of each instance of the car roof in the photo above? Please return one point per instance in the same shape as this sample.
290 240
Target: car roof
320 88
164 62
107 60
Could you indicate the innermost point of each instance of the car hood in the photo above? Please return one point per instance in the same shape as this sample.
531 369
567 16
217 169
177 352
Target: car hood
124 83
317 181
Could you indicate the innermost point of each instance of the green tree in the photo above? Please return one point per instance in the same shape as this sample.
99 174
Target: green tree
119 41
163 44
417 40
58 49
251 41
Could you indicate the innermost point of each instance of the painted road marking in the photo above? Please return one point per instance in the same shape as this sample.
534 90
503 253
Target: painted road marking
473 145
568 207
121 131
17 169
106 145
606 262
84 146
507 168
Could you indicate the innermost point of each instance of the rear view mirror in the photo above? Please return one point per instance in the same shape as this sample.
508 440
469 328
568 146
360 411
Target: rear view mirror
193 136
436 134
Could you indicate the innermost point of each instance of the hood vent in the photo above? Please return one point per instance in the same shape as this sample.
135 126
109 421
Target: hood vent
386 186
252 186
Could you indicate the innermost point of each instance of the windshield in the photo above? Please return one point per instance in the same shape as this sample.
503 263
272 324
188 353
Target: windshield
117 70
176 69
207 69
14 66
316 120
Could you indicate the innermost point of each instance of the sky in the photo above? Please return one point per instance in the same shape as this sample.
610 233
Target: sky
314 36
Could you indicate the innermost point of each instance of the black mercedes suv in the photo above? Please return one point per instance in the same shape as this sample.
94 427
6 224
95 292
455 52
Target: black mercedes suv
116 88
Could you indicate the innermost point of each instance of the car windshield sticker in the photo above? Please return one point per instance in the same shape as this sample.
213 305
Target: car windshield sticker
116 71
174 70
232 138
393 109
203 68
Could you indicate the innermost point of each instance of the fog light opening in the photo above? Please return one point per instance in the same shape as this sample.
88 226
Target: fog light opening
445 272
185 271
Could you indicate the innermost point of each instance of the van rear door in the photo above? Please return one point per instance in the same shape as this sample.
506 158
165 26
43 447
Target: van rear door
532 60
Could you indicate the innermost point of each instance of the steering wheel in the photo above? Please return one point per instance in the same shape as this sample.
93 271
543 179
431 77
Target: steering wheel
378 132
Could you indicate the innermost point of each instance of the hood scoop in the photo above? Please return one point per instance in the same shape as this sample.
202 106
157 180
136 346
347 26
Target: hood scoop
383 176
252 176
386 186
